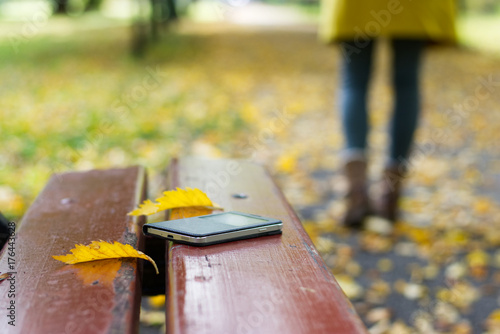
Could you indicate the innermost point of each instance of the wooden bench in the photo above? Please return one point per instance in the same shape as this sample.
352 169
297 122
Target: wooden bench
51 297
273 284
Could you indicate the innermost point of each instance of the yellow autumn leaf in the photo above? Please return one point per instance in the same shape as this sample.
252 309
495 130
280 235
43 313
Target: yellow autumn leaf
351 288
102 250
180 198
194 211
146 208
495 316
482 205
102 272
287 163
478 258
5 276
157 301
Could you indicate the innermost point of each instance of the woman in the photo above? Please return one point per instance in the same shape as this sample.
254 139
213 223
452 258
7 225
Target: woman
410 25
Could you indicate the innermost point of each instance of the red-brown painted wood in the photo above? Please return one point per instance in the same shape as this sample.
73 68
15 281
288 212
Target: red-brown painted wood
92 297
273 284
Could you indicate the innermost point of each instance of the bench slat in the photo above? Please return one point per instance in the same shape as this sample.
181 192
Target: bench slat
272 284
92 297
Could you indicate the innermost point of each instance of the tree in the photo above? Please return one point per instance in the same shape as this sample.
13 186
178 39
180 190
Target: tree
92 5
61 6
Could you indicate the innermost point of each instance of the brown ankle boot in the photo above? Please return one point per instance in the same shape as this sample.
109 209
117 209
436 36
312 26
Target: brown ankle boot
392 180
358 203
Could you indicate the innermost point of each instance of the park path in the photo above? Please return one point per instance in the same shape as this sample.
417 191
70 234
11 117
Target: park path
439 268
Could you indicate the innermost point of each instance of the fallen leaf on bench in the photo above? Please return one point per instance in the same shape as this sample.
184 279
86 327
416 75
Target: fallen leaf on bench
102 250
147 208
102 272
193 211
172 199
4 276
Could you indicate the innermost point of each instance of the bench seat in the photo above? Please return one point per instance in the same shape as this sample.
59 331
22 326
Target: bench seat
272 284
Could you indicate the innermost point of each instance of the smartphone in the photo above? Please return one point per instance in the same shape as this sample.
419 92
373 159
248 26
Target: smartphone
215 228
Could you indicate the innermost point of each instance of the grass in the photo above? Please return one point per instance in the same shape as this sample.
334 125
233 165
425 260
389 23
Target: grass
481 32
64 98
92 106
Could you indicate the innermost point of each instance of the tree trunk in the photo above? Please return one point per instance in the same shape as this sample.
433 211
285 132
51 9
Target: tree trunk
61 6
92 5
172 12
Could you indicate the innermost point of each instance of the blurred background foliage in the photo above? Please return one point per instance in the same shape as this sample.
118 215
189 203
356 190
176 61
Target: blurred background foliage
72 97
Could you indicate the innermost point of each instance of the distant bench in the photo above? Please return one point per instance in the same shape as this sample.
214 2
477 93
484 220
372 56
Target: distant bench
273 284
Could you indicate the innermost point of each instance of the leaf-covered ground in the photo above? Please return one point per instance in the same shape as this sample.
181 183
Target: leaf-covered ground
80 101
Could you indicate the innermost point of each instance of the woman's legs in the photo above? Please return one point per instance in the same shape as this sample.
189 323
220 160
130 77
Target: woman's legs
354 88
355 77
406 65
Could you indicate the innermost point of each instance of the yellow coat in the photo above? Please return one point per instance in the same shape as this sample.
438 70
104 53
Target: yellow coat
360 19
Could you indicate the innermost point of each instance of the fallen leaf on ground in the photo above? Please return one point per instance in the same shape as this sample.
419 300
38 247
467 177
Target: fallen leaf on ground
399 327
482 205
152 318
378 314
157 301
456 271
180 198
463 327
350 287
379 225
102 250
287 163
414 291
461 295
378 292
446 314
478 258
493 321
324 245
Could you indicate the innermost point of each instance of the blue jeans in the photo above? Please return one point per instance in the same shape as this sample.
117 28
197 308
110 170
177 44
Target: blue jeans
356 70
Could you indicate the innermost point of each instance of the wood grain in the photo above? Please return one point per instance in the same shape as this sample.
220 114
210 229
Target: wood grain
92 297
273 284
